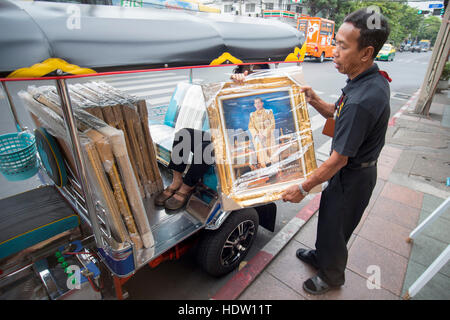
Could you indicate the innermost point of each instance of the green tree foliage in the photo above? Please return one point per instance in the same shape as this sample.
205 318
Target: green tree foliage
429 29
403 19
324 6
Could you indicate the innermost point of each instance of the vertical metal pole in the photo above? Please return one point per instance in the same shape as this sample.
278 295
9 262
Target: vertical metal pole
77 154
11 106
191 76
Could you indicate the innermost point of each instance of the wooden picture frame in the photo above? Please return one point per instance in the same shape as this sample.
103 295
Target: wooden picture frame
274 147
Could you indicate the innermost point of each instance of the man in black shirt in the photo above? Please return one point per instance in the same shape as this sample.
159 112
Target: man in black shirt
361 117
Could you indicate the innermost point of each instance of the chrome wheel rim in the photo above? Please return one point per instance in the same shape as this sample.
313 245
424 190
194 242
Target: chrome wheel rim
237 243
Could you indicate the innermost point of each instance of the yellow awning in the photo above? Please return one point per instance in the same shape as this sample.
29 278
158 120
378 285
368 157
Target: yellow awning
47 67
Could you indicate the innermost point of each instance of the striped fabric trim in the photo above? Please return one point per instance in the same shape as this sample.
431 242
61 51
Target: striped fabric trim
30 231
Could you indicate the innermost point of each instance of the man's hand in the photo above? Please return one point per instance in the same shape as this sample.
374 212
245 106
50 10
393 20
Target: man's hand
324 108
311 97
292 194
239 78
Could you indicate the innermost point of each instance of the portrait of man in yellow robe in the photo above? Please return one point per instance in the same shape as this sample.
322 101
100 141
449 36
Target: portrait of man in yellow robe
262 128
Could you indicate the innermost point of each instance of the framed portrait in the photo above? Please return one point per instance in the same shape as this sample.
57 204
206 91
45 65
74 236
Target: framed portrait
262 139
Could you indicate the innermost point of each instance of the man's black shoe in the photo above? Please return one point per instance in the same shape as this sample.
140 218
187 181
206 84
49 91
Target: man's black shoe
317 286
307 256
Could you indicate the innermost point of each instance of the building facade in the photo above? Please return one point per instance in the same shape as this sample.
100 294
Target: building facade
286 10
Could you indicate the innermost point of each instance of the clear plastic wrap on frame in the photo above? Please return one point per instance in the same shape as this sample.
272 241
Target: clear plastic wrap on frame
262 136
111 177
119 110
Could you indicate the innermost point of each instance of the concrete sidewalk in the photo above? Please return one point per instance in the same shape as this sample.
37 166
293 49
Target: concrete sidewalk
412 172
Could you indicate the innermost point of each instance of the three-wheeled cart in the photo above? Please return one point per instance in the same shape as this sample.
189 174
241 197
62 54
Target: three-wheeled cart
58 239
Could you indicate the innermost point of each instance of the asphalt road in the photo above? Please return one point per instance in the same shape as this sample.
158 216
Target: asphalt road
183 279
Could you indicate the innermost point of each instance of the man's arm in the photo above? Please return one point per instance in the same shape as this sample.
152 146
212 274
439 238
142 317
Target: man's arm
324 173
324 108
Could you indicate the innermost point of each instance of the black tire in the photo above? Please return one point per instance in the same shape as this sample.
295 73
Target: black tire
322 57
214 257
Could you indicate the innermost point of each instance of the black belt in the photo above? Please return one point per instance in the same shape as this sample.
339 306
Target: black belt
362 165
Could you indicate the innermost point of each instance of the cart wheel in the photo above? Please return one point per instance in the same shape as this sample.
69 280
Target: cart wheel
220 251
322 57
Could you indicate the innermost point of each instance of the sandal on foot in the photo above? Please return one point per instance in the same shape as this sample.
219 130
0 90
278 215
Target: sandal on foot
317 286
307 256
162 197
175 204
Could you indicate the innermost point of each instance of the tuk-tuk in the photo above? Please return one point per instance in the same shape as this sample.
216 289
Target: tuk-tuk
58 237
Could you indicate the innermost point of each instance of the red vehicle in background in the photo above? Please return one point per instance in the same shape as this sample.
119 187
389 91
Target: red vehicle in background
319 34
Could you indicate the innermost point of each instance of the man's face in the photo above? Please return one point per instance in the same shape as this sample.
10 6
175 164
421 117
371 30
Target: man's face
347 56
258 104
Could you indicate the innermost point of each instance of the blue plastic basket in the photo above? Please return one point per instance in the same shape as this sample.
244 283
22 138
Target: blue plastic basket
18 159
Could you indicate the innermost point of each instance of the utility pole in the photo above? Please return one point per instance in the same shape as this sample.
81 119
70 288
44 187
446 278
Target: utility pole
436 66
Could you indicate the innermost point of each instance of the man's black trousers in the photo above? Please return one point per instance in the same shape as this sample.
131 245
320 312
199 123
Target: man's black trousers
341 207
198 142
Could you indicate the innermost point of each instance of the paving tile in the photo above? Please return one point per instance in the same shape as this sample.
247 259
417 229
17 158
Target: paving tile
396 212
438 229
438 288
386 234
375 194
424 214
292 273
425 250
350 242
387 161
364 254
378 188
362 221
267 287
289 269
383 172
409 118
355 288
403 194
431 203
429 121
405 162
391 152
307 234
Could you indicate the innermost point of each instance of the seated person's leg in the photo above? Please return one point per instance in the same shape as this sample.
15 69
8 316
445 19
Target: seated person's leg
197 169
178 162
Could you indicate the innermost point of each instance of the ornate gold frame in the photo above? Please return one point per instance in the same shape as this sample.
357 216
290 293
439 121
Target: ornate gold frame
230 198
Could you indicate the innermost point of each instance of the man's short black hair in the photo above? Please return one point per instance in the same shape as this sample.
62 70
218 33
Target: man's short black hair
251 67
374 28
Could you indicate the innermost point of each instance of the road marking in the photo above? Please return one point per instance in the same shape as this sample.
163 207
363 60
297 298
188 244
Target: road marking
317 122
149 93
139 76
128 83
159 101
150 83
323 153
334 96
